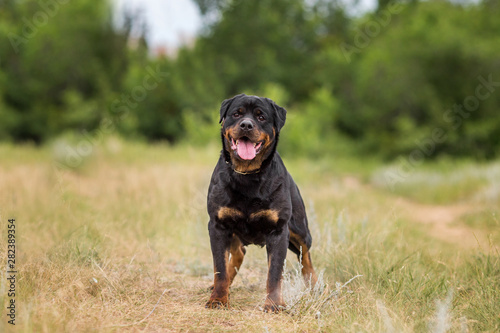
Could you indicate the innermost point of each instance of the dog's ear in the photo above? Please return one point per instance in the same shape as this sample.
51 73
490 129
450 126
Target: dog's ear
280 114
224 107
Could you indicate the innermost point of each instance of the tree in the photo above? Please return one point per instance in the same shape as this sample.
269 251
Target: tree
60 62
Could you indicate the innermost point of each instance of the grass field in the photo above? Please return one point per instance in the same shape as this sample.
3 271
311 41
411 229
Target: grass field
120 244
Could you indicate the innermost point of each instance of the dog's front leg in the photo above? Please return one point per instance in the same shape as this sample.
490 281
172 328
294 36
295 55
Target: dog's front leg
220 241
276 245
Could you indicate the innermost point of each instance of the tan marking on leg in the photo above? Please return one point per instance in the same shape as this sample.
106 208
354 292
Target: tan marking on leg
271 215
296 240
237 255
307 268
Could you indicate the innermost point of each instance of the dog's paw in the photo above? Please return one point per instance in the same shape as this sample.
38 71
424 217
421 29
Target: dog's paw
217 303
271 307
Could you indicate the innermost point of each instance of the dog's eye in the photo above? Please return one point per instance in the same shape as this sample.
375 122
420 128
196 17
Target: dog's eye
261 118
237 114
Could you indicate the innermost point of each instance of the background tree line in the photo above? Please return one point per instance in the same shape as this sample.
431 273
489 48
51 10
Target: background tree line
380 83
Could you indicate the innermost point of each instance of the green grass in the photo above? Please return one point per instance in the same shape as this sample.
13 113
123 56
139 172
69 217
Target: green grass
487 219
121 244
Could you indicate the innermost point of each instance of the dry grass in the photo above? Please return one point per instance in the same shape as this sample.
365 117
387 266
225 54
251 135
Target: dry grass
121 244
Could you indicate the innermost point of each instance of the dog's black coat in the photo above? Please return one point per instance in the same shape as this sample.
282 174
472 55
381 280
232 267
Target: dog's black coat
254 202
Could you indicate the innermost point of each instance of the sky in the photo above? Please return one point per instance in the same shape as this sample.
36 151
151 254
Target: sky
172 22
169 22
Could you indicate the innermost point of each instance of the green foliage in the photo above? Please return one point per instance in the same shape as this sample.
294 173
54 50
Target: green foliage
151 103
202 127
59 61
379 84
263 41
411 77
310 128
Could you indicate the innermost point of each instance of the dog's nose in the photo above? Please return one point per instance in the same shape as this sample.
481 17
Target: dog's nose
246 125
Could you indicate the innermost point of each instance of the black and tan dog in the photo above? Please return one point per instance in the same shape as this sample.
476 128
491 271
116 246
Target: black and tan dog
252 199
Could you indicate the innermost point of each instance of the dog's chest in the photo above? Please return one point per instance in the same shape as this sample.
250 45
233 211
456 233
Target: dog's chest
251 217
250 225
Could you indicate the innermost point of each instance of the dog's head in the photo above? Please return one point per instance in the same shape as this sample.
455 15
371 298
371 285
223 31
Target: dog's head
250 130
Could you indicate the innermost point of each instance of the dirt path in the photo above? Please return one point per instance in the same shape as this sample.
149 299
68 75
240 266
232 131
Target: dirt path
440 219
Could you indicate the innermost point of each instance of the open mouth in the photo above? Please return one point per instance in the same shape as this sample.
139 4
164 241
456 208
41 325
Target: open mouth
246 149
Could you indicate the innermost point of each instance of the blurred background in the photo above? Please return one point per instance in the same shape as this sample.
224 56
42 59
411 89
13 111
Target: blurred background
366 78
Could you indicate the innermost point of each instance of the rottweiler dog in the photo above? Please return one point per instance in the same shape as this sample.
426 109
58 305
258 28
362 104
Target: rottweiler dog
252 199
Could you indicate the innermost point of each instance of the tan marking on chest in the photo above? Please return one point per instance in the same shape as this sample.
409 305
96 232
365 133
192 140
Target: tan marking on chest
229 213
269 214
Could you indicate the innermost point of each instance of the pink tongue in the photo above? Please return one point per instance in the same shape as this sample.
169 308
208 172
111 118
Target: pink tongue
246 150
